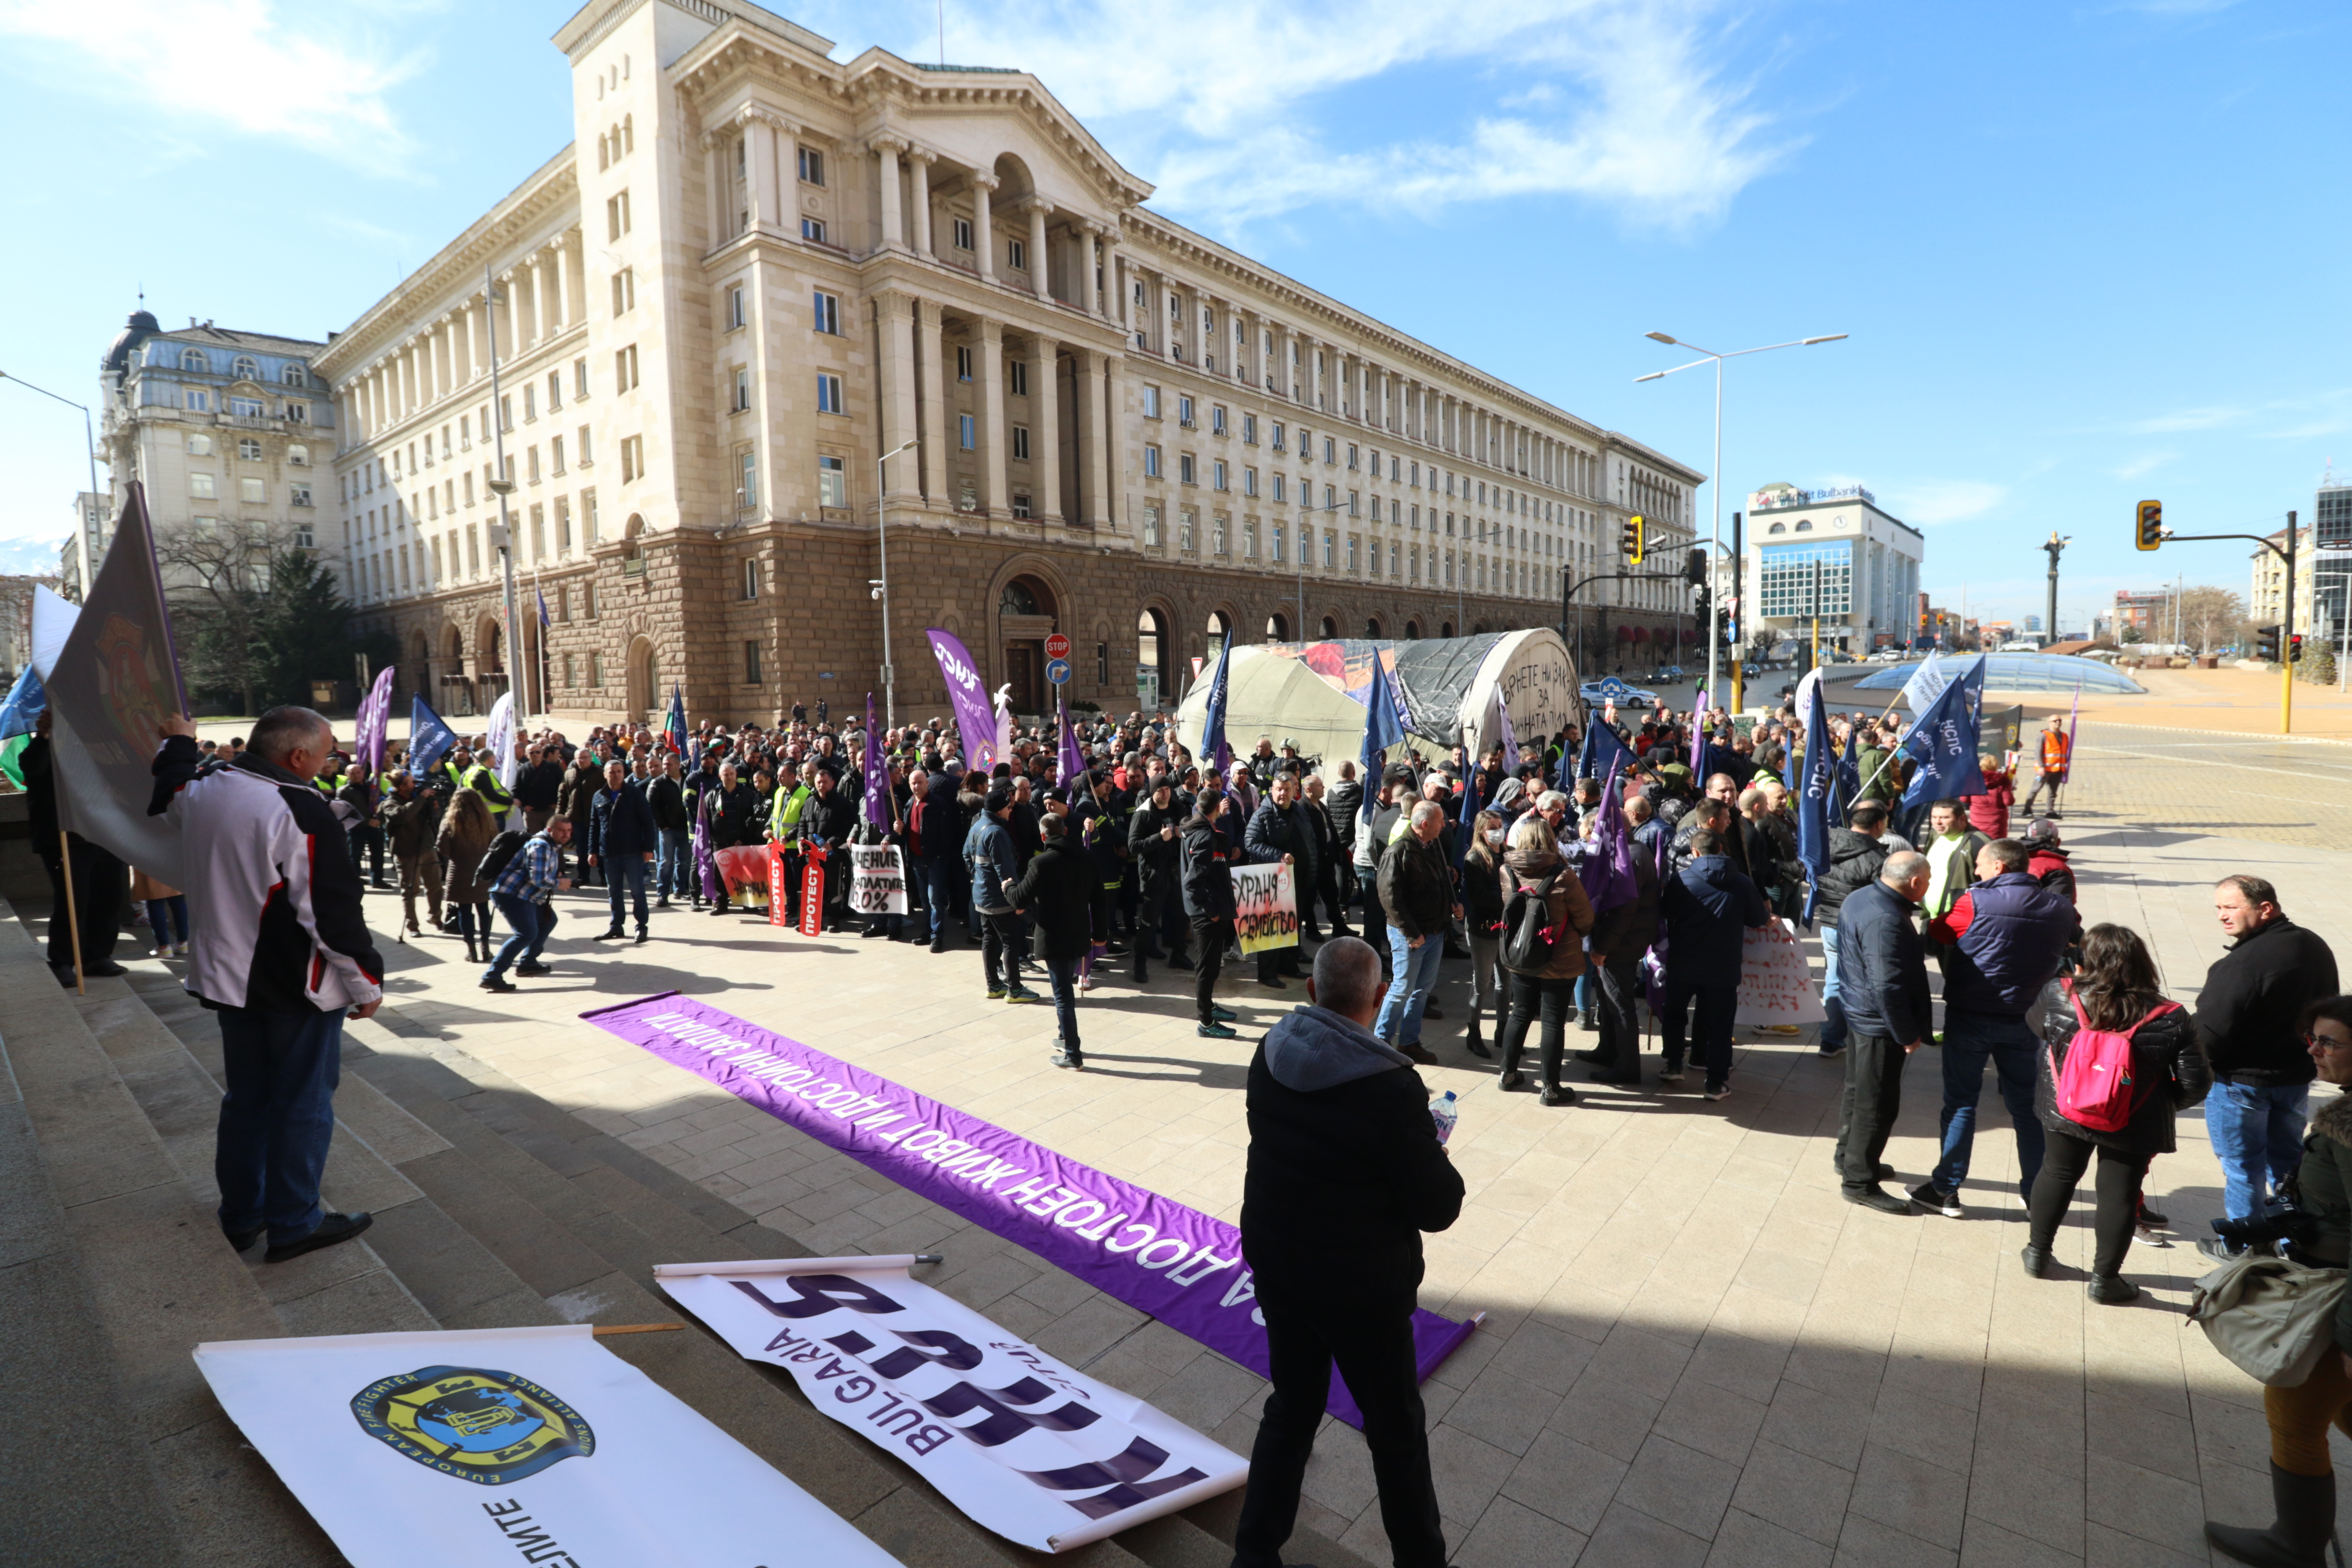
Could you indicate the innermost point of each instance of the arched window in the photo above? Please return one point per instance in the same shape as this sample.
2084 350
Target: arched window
1372 628
1217 629
246 368
1150 641
1445 628
1412 631
1330 626
298 455
194 359
1778 528
292 375
1277 629
628 134
1805 525
1018 600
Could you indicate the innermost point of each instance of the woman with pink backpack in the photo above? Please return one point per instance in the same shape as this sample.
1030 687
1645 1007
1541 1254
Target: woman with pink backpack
2117 1061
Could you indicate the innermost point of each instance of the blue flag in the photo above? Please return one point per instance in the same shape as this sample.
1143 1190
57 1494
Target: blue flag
25 701
429 740
543 619
1381 730
1944 739
674 726
1816 781
1602 752
1216 757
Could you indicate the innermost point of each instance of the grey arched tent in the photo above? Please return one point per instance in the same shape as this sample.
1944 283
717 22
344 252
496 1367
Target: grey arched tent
1312 694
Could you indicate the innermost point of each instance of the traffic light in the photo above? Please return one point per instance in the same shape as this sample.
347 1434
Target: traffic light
1695 567
1629 539
2295 648
1699 605
2266 641
2150 535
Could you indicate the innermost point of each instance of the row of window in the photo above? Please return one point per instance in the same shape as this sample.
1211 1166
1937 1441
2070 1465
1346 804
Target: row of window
253 492
244 367
200 445
1403 562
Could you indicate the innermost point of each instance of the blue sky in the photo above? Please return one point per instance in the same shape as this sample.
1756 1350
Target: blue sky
2084 252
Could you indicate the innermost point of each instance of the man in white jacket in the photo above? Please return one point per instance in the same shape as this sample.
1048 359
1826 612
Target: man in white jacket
281 953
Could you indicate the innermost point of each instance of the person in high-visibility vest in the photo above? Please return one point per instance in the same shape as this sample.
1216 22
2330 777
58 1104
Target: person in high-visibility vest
2057 753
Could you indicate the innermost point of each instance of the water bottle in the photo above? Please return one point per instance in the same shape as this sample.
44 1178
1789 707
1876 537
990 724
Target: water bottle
1445 1111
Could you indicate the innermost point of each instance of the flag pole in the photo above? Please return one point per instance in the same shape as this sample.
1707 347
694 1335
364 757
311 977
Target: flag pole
73 917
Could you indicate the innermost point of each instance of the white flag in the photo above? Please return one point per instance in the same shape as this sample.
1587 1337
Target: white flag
499 739
1926 684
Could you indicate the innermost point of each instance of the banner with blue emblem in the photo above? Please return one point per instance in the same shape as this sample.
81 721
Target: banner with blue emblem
502 1447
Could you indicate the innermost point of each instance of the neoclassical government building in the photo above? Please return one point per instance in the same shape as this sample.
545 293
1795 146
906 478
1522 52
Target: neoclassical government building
773 328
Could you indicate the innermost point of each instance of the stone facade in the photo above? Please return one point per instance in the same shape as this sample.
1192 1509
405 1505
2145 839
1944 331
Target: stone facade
759 275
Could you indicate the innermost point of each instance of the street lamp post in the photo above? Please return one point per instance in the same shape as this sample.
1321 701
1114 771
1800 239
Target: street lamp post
89 449
501 486
1715 479
882 585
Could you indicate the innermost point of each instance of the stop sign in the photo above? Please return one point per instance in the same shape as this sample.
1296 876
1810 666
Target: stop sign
1057 646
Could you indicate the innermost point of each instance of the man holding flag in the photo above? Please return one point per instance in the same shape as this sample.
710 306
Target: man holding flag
2057 756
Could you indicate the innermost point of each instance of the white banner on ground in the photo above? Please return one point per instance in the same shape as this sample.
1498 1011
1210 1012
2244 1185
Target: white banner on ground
1033 1451
877 881
1775 984
1265 907
495 1448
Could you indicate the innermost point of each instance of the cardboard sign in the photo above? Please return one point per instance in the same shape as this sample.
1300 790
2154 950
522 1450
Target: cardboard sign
1265 907
1775 984
779 887
813 893
878 882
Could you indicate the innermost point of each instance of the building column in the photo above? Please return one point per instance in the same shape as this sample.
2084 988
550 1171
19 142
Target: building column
1041 271
1045 417
1090 293
1116 292
894 313
886 150
918 163
983 241
934 449
545 288
994 498
1094 433
759 168
714 179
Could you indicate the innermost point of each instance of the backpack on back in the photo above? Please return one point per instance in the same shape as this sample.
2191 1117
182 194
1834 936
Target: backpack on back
2095 1087
494 859
1529 939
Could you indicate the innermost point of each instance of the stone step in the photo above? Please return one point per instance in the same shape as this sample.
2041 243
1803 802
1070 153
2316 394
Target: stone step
155 1279
657 1215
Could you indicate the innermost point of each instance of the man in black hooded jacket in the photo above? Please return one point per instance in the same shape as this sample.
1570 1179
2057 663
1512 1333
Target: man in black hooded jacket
1345 1172
1856 857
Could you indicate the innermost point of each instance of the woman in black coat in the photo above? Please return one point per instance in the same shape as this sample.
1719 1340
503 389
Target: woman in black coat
2115 989
1056 893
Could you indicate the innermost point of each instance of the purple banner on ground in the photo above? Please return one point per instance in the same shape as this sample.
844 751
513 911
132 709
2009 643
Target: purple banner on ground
975 720
1159 1256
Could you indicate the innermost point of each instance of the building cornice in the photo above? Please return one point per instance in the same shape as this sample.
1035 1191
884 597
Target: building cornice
456 269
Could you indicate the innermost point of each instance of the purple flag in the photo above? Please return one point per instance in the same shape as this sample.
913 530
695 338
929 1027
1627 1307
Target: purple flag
1698 737
375 715
1157 1256
1608 876
1071 761
975 721
1510 740
878 777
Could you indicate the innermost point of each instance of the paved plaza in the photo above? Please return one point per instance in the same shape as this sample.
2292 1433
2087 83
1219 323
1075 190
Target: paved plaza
1692 1350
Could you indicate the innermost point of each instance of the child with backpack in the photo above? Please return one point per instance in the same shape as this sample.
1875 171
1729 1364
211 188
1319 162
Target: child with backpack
2117 1061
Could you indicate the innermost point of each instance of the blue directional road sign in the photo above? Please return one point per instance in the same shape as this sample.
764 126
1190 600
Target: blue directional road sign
1057 670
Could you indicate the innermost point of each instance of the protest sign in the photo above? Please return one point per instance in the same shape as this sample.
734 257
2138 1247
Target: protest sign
1265 907
812 892
779 887
500 1446
878 882
1056 1459
1159 1256
1775 984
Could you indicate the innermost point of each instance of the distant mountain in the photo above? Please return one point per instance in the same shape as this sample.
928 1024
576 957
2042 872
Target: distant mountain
30 557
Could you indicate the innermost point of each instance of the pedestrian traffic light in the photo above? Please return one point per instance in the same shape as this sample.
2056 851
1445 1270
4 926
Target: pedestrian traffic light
2266 641
1695 567
2150 535
2295 648
1629 539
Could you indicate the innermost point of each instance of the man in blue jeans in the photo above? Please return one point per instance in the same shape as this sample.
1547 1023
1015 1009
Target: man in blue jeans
621 829
666 797
522 893
2246 1024
281 955
2005 938
1417 892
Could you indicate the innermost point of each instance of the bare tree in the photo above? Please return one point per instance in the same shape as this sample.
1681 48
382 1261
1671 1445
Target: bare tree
2211 617
217 575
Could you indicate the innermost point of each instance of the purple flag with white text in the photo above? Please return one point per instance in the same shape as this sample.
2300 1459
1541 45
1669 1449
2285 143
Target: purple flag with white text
967 695
375 718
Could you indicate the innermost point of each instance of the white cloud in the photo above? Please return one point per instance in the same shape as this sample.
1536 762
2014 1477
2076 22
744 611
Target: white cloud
1927 503
2185 420
2144 465
252 66
1624 102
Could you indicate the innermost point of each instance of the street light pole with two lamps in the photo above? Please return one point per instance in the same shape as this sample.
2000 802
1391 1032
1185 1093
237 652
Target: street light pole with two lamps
1715 479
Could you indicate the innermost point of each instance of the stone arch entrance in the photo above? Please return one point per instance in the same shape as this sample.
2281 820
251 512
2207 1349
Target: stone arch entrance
644 672
1277 627
1028 611
1153 652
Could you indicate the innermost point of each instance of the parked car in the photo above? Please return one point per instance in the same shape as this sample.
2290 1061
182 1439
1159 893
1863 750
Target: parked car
1626 695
